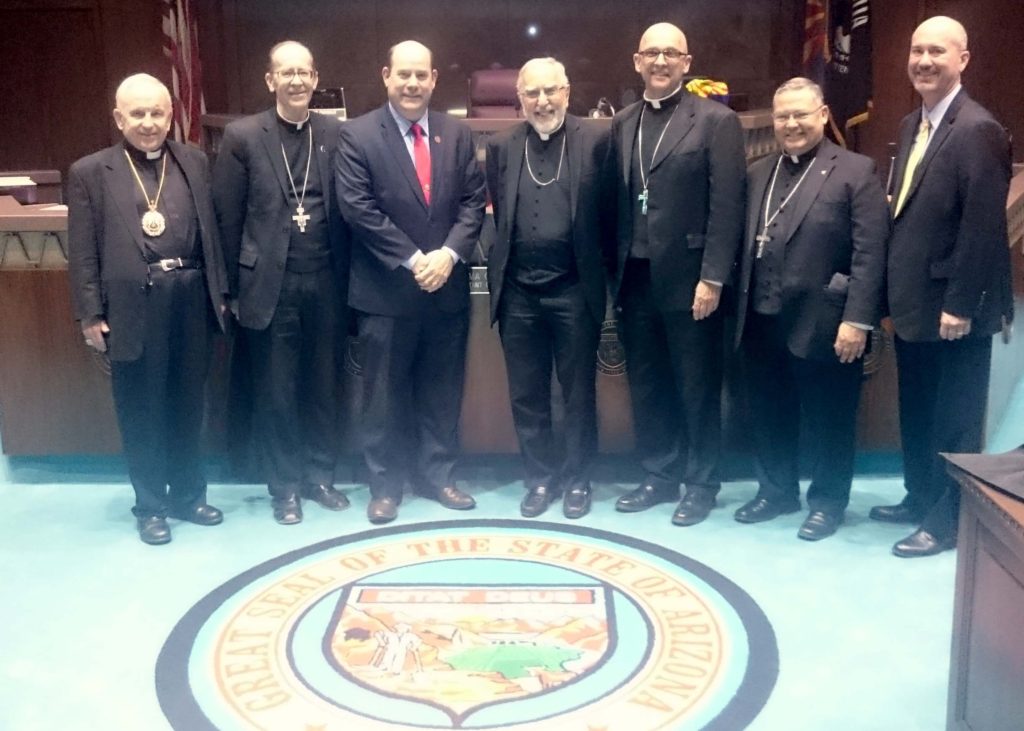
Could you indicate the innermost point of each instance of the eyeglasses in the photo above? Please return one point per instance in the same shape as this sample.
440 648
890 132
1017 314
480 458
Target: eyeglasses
548 91
670 54
796 116
303 74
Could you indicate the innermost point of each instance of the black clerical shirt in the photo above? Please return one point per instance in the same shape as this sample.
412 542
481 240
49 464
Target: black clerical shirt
309 250
766 296
180 238
542 254
654 123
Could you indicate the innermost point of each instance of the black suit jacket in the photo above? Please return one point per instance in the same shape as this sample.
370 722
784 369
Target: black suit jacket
382 202
697 202
254 209
590 186
839 225
949 250
106 259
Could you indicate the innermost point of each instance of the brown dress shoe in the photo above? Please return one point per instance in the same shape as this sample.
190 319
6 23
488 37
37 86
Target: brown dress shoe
455 499
326 496
819 524
761 509
382 510
153 530
899 513
644 497
537 500
202 514
922 543
576 502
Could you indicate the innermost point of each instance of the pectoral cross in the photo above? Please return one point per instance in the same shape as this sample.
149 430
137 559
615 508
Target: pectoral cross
301 217
643 202
761 240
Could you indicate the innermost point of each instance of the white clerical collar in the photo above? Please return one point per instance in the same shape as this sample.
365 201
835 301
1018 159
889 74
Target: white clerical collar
545 136
296 125
656 103
155 154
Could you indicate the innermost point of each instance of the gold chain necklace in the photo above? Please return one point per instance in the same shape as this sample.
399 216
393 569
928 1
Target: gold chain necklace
153 223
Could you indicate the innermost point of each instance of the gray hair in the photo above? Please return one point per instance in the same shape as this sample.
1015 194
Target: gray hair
136 80
800 83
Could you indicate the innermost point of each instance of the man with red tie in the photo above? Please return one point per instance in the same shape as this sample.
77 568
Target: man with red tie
412 193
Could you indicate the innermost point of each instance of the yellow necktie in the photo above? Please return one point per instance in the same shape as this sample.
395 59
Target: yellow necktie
916 153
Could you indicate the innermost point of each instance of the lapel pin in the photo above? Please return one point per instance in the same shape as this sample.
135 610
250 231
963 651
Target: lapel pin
437 139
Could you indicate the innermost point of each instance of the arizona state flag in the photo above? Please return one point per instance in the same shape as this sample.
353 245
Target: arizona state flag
848 65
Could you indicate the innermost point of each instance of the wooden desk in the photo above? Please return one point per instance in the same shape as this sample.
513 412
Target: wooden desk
986 676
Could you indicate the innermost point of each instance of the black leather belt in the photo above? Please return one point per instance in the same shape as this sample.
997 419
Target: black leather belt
169 265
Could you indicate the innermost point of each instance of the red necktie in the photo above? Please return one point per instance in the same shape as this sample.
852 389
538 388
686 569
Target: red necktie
421 155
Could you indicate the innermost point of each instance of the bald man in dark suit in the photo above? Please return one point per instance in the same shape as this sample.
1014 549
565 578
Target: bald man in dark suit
949 287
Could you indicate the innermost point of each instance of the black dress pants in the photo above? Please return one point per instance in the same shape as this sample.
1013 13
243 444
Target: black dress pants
943 388
781 387
413 373
296 366
159 396
538 328
674 365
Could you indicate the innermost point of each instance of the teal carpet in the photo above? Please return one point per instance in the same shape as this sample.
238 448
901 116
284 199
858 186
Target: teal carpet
863 638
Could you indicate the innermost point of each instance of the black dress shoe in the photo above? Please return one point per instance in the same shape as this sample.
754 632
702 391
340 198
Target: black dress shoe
644 497
922 543
761 509
455 499
819 524
326 496
153 530
576 502
201 514
900 513
695 506
537 500
382 510
287 510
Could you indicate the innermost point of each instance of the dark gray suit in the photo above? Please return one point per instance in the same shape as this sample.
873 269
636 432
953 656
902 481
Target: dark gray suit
160 322
949 253
833 270
293 312
414 342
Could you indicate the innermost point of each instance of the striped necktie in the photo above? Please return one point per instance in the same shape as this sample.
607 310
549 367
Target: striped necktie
916 153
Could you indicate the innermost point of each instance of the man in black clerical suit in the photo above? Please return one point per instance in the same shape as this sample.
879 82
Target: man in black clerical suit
286 251
548 179
809 291
681 182
412 193
148 286
949 287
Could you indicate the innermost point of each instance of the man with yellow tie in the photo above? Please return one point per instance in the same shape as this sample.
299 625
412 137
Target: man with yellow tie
949 286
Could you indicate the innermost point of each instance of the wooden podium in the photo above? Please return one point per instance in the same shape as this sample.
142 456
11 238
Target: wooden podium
986 683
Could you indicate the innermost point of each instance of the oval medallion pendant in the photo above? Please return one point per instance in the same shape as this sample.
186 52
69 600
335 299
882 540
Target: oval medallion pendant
153 223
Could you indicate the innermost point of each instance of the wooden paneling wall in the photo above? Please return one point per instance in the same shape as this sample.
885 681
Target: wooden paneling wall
64 58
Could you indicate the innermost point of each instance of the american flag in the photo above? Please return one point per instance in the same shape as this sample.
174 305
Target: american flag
181 47
815 39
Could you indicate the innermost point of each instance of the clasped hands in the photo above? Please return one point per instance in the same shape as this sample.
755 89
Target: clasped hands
432 269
